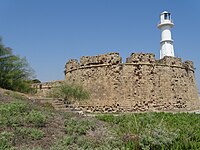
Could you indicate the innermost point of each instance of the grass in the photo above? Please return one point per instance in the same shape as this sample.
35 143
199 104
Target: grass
20 122
36 118
5 140
20 113
24 125
157 130
28 133
78 127
86 133
70 92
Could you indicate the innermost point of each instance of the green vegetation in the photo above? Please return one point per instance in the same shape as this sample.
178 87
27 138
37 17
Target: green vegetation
78 127
32 133
142 131
86 133
155 131
70 92
15 73
5 140
21 121
36 118
34 126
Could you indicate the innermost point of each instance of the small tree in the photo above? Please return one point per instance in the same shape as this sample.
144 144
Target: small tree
15 72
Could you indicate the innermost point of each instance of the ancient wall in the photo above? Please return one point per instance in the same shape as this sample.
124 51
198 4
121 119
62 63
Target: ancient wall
141 84
44 89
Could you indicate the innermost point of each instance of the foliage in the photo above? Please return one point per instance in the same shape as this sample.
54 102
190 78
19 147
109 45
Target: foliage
70 92
31 133
78 127
155 131
22 121
37 118
15 95
24 124
12 114
19 113
15 73
6 140
84 133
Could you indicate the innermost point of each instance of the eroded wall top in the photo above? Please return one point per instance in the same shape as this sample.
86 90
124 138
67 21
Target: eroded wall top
135 58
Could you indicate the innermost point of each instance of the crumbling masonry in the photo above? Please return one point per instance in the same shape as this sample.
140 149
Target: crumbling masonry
142 83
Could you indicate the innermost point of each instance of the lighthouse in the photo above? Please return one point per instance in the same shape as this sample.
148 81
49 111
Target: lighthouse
166 43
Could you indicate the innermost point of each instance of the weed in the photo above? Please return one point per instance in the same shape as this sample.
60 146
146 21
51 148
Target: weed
37 118
30 133
64 143
69 92
28 148
6 140
157 130
78 127
15 95
11 113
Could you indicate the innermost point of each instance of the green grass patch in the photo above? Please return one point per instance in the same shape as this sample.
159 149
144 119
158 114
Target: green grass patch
69 92
6 139
20 113
78 126
28 133
15 95
37 118
12 114
19 122
157 130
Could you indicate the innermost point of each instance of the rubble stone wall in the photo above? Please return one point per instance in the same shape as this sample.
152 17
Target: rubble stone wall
44 89
142 83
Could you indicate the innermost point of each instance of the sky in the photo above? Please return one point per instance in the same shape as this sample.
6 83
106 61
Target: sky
50 32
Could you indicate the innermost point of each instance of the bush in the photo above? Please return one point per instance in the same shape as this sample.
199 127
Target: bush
78 127
65 142
70 92
28 133
37 118
6 140
11 113
157 130
19 113
86 134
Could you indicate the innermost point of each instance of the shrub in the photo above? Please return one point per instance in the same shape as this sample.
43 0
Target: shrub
16 107
65 142
37 118
157 130
70 92
78 127
11 113
30 133
6 140
156 137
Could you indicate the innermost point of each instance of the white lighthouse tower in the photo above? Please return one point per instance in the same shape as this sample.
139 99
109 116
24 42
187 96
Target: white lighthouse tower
166 43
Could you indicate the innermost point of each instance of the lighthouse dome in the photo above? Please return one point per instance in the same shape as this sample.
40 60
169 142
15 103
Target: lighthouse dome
164 12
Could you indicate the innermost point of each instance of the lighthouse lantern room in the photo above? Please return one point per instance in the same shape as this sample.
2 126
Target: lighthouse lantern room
166 43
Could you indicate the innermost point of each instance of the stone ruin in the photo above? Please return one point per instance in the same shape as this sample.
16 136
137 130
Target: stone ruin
43 89
140 84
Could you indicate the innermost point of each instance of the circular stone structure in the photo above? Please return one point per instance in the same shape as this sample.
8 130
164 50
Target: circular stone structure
141 84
